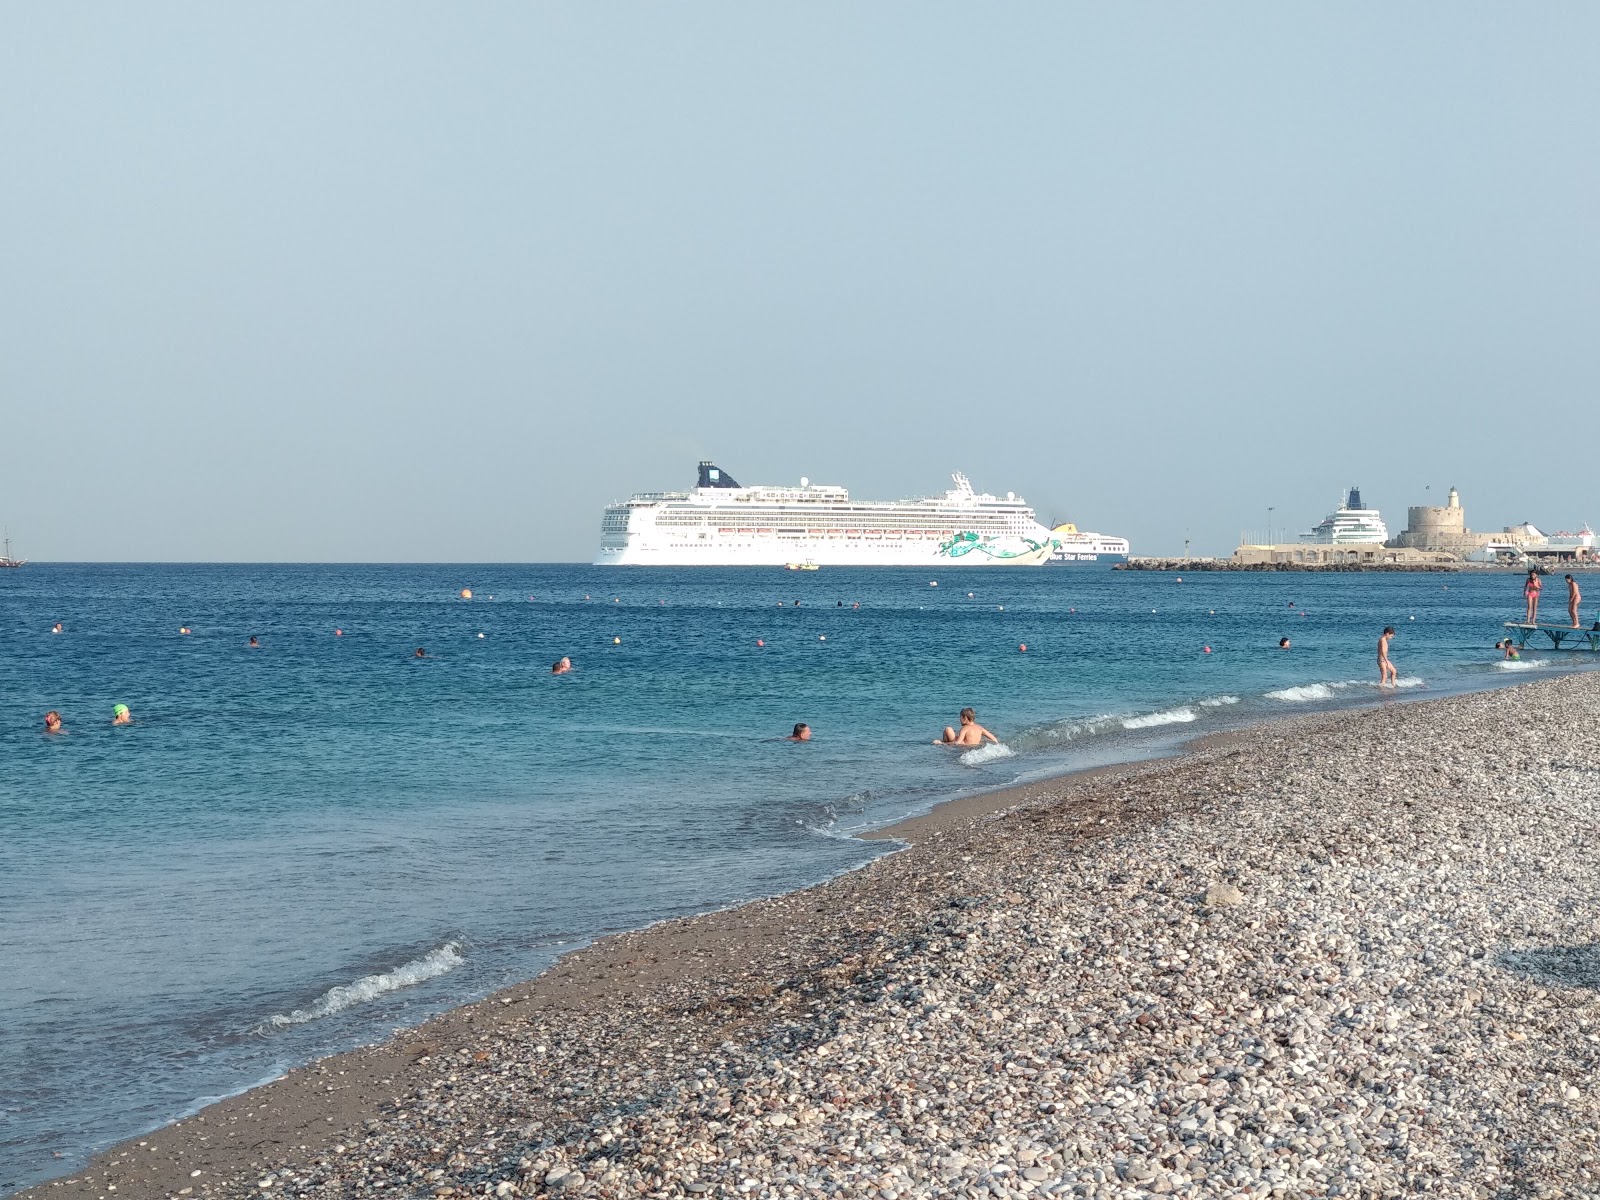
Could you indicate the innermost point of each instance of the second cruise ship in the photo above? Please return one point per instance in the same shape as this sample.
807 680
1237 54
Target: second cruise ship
722 523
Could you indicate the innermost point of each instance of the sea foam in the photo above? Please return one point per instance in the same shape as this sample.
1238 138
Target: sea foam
1171 716
1326 691
436 962
986 754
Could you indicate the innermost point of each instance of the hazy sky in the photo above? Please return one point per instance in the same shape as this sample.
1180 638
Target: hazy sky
390 281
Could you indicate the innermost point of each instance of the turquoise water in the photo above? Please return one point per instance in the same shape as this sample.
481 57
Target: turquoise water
302 846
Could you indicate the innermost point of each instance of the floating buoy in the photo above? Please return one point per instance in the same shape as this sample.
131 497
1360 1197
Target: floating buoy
1072 610
759 642
822 637
183 629
1180 578
1001 607
1208 649
616 599
480 634
933 583
336 632
969 595
1022 647
1213 612
466 593
616 641
1408 618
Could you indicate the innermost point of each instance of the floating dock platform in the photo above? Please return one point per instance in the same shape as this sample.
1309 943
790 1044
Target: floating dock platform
1562 637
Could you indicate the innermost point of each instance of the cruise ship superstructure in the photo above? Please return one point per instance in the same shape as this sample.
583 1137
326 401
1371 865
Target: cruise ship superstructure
1349 524
721 523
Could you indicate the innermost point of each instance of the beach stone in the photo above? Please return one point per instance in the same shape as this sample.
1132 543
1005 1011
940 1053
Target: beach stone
1223 895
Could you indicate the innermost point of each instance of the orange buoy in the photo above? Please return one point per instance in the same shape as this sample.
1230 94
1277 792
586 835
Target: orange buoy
466 593
759 642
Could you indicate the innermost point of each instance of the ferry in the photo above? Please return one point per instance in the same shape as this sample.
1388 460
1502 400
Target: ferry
723 523
1074 546
1349 524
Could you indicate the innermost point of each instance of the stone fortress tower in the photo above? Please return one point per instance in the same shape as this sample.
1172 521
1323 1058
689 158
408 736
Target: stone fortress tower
1433 527
1444 527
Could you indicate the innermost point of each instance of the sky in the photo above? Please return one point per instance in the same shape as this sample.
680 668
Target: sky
400 282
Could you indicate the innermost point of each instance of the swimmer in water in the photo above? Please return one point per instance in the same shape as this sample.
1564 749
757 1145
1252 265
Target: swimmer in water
121 716
421 653
1512 654
52 722
253 643
802 733
561 665
1283 643
56 628
970 733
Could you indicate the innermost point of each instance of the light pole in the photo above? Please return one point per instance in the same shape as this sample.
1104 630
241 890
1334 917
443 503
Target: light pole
1270 507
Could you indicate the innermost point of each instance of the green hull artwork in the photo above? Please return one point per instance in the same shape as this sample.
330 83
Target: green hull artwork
1022 550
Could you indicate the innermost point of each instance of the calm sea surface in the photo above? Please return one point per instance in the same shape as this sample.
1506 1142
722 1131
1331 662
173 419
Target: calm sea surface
303 846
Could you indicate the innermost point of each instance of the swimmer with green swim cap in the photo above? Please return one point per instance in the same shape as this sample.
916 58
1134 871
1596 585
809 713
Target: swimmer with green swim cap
121 716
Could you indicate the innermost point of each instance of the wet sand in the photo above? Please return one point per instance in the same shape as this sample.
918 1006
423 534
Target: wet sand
699 1056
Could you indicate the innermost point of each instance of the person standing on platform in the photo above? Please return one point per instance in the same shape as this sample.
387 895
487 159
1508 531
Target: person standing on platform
1530 590
1574 598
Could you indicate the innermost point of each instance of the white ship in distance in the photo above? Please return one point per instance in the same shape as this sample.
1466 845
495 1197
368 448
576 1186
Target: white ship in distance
1349 524
723 523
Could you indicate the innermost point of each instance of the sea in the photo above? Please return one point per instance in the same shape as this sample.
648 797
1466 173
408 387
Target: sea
303 845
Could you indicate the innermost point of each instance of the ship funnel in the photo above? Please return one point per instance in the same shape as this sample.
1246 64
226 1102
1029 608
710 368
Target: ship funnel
711 476
1355 498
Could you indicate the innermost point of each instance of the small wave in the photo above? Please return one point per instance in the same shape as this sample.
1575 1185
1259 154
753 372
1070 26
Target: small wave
1218 701
1521 664
431 965
1326 691
1171 716
1306 691
986 754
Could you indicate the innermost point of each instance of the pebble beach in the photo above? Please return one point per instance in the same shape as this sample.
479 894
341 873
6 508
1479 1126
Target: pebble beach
1351 954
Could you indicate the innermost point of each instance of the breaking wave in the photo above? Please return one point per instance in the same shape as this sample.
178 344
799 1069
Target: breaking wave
436 962
1218 701
1171 716
986 754
1326 691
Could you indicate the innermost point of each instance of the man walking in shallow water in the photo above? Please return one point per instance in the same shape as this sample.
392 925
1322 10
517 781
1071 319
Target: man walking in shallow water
1386 672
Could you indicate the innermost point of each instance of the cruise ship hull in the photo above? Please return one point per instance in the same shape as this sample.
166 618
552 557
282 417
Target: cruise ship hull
825 553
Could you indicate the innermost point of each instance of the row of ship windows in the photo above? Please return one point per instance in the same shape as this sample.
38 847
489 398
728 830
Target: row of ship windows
854 523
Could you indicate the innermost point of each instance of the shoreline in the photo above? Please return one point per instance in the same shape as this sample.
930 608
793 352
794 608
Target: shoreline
698 984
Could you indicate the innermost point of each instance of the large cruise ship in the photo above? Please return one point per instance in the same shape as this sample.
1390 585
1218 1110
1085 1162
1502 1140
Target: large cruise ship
721 523
1349 524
